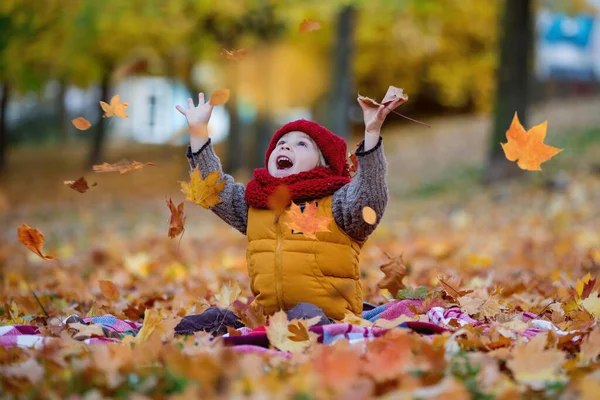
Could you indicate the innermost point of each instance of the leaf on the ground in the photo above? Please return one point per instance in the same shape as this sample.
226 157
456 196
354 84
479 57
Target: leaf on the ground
395 271
227 295
394 323
536 366
585 285
527 148
33 239
115 108
590 348
279 200
122 166
234 55
369 215
81 123
86 331
410 293
451 291
204 192
295 340
109 290
177 220
219 97
29 369
592 304
480 304
353 319
307 222
309 25
80 185
252 316
151 320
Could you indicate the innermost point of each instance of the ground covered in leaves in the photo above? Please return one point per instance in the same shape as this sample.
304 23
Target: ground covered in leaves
507 255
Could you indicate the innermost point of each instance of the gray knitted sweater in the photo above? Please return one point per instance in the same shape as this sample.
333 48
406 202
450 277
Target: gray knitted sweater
367 188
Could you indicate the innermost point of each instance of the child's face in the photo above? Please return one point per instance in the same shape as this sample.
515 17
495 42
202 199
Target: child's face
295 152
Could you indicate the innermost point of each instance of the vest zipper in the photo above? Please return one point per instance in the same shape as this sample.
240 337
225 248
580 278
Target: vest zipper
278 266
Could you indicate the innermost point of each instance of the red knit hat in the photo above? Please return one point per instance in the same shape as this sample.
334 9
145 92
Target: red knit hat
332 146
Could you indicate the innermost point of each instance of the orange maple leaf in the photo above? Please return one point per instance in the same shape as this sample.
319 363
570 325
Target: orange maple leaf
79 185
177 218
252 316
307 222
81 123
115 108
219 97
109 290
122 166
395 271
279 200
204 192
527 148
309 25
33 239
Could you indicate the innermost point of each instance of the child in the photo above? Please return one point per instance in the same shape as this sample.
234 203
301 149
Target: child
287 268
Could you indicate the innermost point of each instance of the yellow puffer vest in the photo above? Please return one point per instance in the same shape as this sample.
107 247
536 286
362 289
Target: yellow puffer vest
287 268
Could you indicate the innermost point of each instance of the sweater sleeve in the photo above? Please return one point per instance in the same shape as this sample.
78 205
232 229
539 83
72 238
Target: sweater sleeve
367 188
233 209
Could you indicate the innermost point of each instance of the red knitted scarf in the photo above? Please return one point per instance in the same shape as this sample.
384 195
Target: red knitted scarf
305 186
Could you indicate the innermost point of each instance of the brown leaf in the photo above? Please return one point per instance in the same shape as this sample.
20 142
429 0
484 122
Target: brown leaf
234 55
353 163
81 123
122 166
80 185
309 25
109 290
395 271
393 93
177 218
253 316
33 239
451 291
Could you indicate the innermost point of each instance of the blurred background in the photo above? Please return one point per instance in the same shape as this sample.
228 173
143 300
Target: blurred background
466 65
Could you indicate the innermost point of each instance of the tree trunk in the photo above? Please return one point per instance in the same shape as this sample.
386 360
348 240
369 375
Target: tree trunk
62 113
99 140
512 83
4 94
342 82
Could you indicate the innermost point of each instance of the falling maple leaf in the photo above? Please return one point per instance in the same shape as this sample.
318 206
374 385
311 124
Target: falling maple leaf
309 25
204 192
81 123
177 218
234 55
279 200
109 290
536 366
33 239
307 222
122 166
228 295
369 215
395 271
293 336
80 185
219 97
527 148
115 108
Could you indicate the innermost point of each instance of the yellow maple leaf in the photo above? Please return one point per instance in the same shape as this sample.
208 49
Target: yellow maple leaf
307 222
115 108
227 295
353 319
204 192
527 148
292 336
590 348
592 304
481 304
151 320
535 366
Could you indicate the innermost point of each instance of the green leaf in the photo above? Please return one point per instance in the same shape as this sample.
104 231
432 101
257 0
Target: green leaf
408 292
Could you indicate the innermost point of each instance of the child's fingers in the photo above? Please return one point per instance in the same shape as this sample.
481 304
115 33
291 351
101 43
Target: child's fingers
180 109
200 98
190 103
362 104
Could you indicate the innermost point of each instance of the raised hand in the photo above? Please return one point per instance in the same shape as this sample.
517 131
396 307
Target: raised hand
196 115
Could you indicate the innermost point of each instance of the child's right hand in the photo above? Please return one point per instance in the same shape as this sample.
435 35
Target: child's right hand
199 115
197 119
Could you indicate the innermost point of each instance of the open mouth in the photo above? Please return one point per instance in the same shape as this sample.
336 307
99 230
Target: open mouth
284 162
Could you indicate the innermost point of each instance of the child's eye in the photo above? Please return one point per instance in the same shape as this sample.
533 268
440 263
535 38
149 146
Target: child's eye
281 142
302 143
